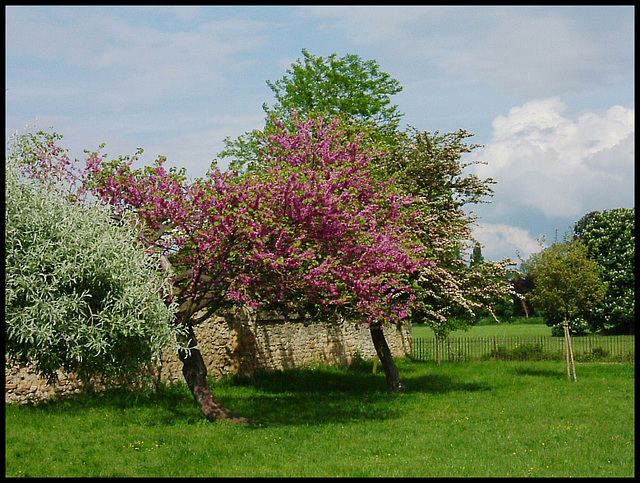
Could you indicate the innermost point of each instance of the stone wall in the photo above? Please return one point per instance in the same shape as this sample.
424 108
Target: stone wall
238 345
24 385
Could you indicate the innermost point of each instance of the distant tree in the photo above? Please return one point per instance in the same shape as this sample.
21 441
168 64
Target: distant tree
81 294
337 87
476 256
523 284
610 240
568 285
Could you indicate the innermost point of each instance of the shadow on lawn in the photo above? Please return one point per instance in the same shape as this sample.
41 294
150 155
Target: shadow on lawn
309 396
523 371
328 395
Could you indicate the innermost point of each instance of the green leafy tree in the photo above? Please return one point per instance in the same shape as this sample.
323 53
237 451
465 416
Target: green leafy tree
568 285
80 293
523 284
337 87
349 88
610 240
476 256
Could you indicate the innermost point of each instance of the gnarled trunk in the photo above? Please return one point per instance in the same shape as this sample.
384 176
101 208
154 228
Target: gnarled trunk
394 383
194 369
195 374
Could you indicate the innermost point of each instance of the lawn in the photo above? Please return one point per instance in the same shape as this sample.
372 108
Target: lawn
484 419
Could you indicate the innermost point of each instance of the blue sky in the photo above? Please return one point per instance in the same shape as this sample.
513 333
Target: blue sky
547 91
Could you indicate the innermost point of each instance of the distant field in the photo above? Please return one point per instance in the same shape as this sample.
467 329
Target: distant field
518 341
499 330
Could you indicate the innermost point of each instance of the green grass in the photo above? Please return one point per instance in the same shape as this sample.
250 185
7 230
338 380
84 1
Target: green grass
460 419
498 330
475 343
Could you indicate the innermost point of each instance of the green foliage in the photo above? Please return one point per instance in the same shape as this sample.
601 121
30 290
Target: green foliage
523 352
598 354
337 87
523 284
348 88
568 284
429 168
610 240
476 255
429 165
80 293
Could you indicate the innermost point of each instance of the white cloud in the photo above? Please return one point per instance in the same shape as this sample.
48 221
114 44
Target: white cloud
500 241
562 167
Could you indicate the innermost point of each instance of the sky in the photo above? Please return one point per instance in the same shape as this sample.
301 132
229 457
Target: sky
548 92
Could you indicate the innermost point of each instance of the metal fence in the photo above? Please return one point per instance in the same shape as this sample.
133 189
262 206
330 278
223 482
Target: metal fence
619 348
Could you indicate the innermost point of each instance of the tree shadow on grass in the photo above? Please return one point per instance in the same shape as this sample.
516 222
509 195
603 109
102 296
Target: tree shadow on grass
304 396
524 371
327 395
165 404
439 384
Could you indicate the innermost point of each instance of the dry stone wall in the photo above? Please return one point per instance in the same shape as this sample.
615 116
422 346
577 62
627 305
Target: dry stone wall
234 345
24 385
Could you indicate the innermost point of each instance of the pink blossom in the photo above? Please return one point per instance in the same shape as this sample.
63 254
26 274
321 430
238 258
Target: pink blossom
314 227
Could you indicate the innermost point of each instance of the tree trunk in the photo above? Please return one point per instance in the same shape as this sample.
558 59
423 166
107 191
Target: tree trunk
394 384
525 308
195 374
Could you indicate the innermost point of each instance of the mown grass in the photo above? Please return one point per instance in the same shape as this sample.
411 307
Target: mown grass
459 419
490 330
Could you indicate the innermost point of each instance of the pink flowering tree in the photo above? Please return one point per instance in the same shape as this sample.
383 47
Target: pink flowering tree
314 232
